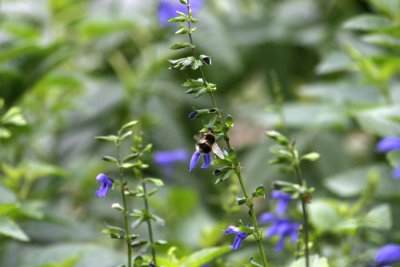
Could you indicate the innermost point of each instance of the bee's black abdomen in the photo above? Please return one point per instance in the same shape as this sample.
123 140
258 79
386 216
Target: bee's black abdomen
204 147
210 138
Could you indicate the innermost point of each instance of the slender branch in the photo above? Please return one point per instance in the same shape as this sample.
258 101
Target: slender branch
149 226
250 204
125 213
300 180
249 200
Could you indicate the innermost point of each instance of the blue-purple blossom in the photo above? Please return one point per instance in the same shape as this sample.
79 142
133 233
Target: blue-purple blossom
283 227
387 254
167 9
167 159
106 184
196 157
239 236
388 144
282 201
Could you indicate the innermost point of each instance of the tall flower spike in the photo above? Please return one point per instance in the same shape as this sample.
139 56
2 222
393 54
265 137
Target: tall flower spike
106 184
239 236
388 144
387 254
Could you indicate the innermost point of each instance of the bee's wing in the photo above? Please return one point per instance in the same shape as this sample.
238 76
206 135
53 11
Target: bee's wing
217 151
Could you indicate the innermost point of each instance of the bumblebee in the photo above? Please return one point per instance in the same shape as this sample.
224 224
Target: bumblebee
207 143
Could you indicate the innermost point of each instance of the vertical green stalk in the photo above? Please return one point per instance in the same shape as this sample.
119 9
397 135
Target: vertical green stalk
300 180
125 206
249 200
148 219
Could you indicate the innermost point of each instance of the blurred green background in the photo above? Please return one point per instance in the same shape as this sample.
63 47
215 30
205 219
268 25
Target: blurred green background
78 69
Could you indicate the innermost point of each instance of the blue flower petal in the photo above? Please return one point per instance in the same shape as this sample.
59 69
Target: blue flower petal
387 254
193 161
396 173
267 217
281 206
106 184
240 236
207 161
388 144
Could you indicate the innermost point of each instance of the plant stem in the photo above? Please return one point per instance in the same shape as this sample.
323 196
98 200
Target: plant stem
149 226
250 204
249 200
297 170
125 213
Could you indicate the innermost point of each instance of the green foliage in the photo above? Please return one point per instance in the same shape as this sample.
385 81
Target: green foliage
72 69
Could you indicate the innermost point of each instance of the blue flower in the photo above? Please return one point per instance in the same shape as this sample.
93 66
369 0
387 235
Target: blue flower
240 236
282 201
196 157
388 144
282 227
106 184
387 254
166 159
167 9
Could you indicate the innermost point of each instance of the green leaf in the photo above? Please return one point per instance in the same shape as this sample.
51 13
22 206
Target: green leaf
352 182
128 125
155 181
139 243
368 23
110 159
315 261
161 242
241 200
204 256
8 208
390 7
109 138
127 165
323 215
225 176
181 45
278 137
229 121
117 206
382 40
11 229
14 117
378 120
313 156
125 135
379 217
178 19
260 192
138 261
130 157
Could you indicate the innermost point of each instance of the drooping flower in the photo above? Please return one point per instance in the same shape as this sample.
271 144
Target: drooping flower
387 254
196 157
239 236
106 184
282 201
283 227
167 9
167 159
388 144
